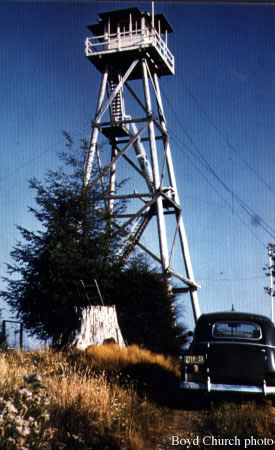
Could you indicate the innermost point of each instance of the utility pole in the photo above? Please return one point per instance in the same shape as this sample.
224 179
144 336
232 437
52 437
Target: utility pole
271 281
4 331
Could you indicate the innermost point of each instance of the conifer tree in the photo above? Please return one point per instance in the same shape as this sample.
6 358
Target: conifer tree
74 246
146 311
44 283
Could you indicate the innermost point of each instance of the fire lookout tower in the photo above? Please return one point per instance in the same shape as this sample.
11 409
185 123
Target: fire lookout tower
130 50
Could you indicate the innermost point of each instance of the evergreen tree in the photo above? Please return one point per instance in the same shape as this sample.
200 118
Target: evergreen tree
145 310
44 285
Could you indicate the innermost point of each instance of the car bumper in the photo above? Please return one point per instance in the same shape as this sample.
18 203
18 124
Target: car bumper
217 387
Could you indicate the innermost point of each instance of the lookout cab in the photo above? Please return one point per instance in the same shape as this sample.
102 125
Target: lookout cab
125 35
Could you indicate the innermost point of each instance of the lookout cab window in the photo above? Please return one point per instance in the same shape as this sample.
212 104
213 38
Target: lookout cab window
236 330
124 27
129 26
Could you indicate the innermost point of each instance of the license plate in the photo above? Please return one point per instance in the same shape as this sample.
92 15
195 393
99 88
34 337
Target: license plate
194 359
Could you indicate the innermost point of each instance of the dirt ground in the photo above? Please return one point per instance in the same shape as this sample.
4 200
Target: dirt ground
181 426
190 426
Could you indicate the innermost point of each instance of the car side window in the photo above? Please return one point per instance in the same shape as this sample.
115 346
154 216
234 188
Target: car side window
236 330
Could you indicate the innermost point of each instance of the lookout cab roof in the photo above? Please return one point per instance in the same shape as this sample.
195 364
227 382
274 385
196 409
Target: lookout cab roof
123 14
122 37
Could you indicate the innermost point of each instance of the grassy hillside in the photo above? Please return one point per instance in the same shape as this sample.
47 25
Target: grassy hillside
109 398
78 400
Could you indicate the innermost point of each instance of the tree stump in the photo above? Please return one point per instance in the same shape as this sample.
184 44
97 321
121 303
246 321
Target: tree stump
99 324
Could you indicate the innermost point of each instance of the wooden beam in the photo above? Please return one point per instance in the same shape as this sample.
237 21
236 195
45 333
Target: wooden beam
131 141
139 213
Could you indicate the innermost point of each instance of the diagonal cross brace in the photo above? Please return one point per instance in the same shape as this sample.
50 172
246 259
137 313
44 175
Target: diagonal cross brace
133 238
117 89
114 160
146 206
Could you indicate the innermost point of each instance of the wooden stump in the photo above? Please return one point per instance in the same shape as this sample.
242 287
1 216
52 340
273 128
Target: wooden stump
98 324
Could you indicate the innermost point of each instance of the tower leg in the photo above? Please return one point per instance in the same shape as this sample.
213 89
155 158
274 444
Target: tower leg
112 186
155 167
182 233
94 136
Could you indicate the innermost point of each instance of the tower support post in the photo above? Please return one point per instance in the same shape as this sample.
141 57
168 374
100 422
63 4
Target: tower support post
181 228
156 178
94 136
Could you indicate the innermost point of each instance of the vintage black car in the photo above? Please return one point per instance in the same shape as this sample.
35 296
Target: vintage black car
231 352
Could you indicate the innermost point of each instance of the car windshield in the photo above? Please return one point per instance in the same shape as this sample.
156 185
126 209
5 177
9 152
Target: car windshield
234 329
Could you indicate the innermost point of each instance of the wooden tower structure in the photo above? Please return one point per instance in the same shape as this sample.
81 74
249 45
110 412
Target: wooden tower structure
130 50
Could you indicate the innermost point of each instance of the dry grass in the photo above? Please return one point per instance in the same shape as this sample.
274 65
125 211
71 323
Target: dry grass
97 410
155 374
86 409
113 357
86 400
243 419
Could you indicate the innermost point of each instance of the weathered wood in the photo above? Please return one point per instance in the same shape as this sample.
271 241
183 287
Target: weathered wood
98 324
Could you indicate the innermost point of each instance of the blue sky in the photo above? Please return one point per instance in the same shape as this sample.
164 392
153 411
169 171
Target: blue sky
220 105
